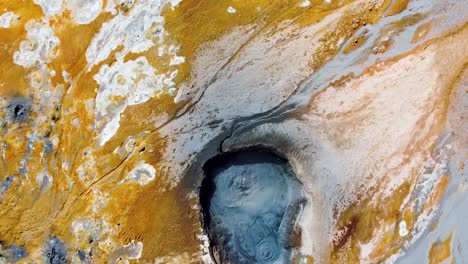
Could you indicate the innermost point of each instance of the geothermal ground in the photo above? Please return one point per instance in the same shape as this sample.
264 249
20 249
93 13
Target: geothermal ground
203 131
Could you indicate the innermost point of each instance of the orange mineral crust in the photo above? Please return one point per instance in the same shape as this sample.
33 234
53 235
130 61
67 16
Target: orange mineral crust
111 109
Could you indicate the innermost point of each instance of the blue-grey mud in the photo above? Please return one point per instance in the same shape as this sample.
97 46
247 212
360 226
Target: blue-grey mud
250 201
18 109
55 251
11 253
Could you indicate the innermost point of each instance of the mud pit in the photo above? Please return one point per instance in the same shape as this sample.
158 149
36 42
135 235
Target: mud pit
250 200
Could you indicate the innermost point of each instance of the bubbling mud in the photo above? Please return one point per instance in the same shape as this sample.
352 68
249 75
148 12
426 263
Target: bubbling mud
250 200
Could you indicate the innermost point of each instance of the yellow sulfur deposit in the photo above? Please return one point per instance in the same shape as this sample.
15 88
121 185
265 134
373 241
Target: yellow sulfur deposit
111 111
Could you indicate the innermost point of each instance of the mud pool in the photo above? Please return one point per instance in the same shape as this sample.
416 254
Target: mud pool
250 200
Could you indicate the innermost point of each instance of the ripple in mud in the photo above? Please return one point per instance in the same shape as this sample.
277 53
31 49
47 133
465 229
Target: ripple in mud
250 201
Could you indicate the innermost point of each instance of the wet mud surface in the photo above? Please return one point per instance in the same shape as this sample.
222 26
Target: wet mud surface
55 251
250 200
